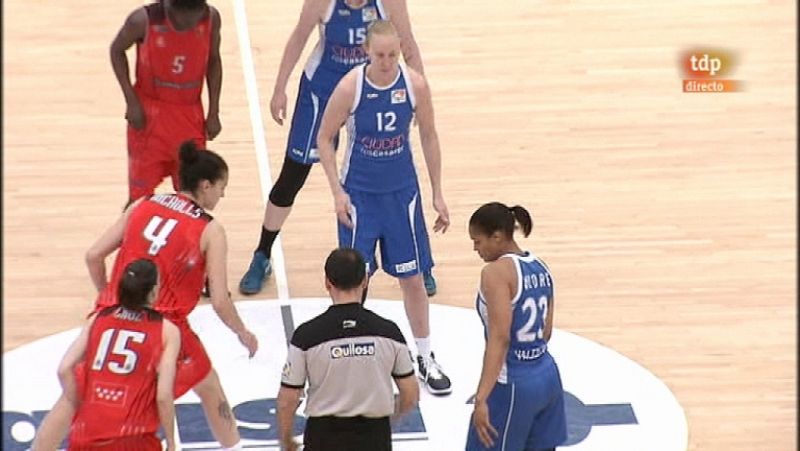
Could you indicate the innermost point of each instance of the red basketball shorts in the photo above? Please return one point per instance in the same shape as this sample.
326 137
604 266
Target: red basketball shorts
144 442
153 151
193 362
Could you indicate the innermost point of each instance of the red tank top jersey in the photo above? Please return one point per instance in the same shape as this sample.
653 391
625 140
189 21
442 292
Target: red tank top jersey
118 380
171 65
165 228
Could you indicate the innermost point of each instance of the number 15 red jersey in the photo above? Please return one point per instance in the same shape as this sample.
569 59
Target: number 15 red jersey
118 378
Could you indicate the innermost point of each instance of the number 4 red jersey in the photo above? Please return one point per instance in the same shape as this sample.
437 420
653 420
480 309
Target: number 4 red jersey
165 228
170 64
117 380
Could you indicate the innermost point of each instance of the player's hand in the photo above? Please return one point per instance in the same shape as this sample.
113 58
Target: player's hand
213 126
443 220
134 114
277 107
343 208
480 420
249 341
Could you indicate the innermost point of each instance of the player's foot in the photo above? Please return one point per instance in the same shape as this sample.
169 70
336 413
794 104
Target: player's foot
430 283
432 375
260 268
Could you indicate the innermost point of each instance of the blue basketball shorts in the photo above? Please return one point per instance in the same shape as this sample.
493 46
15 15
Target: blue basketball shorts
527 412
306 119
393 220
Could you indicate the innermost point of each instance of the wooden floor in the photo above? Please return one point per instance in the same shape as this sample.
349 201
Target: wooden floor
668 219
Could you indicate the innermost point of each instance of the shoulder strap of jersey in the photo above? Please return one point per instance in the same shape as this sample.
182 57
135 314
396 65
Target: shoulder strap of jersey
361 75
156 14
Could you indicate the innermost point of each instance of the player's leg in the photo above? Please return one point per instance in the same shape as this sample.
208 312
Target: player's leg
218 412
510 414
301 153
178 124
549 428
194 371
406 254
145 166
291 179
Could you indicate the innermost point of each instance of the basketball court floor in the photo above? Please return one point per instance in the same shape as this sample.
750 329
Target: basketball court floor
667 218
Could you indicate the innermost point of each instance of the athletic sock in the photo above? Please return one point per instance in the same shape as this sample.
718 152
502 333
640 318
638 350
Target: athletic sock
266 241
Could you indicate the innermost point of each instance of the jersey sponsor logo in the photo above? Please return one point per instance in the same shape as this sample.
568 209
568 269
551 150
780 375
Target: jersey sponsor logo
398 95
529 354
161 41
348 324
369 14
372 95
353 350
107 393
611 402
405 267
344 12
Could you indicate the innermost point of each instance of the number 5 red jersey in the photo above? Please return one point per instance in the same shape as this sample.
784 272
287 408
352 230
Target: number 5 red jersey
170 64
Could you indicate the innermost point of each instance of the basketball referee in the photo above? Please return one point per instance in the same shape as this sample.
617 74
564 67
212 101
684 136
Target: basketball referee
349 356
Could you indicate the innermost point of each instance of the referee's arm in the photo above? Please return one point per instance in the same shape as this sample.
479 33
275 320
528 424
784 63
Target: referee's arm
293 380
404 377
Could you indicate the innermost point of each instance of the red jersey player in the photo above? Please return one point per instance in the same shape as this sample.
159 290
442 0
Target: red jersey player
177 47
118 375
175 231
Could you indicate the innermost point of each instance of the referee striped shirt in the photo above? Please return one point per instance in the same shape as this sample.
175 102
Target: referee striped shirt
349 357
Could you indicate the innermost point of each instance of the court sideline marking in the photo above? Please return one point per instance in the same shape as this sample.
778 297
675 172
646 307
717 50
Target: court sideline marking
259 140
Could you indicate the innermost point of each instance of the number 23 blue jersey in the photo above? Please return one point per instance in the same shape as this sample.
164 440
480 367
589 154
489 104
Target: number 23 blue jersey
529 310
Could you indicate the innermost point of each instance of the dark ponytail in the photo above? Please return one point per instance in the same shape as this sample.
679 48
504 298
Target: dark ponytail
495 216
523 218
198 165
136 283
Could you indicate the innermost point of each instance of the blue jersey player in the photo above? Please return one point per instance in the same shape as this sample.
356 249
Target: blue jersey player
519 404
342 28
377 199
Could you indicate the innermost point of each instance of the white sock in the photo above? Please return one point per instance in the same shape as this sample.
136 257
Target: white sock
423 346
236 447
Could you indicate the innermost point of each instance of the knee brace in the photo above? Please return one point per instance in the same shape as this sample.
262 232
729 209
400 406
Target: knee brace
292 177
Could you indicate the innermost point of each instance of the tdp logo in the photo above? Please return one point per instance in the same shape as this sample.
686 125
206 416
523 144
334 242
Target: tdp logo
705 64
702 70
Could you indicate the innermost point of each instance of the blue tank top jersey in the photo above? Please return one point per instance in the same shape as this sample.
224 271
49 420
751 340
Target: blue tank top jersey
340 46
529 310
378 156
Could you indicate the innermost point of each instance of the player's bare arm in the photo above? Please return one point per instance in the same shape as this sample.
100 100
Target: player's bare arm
334 117
215 245
398 15
430 147
310 15
108 242
496 286
132 31
171 338
214 77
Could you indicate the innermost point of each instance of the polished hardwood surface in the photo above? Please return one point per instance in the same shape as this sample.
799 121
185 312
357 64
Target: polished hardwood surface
668 219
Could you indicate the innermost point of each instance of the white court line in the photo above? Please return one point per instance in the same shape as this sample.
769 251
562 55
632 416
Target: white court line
257 122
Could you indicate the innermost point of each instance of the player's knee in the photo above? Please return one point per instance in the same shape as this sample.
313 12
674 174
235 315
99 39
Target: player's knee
290 181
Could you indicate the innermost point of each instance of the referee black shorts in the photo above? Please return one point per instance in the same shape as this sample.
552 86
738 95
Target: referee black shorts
347 433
